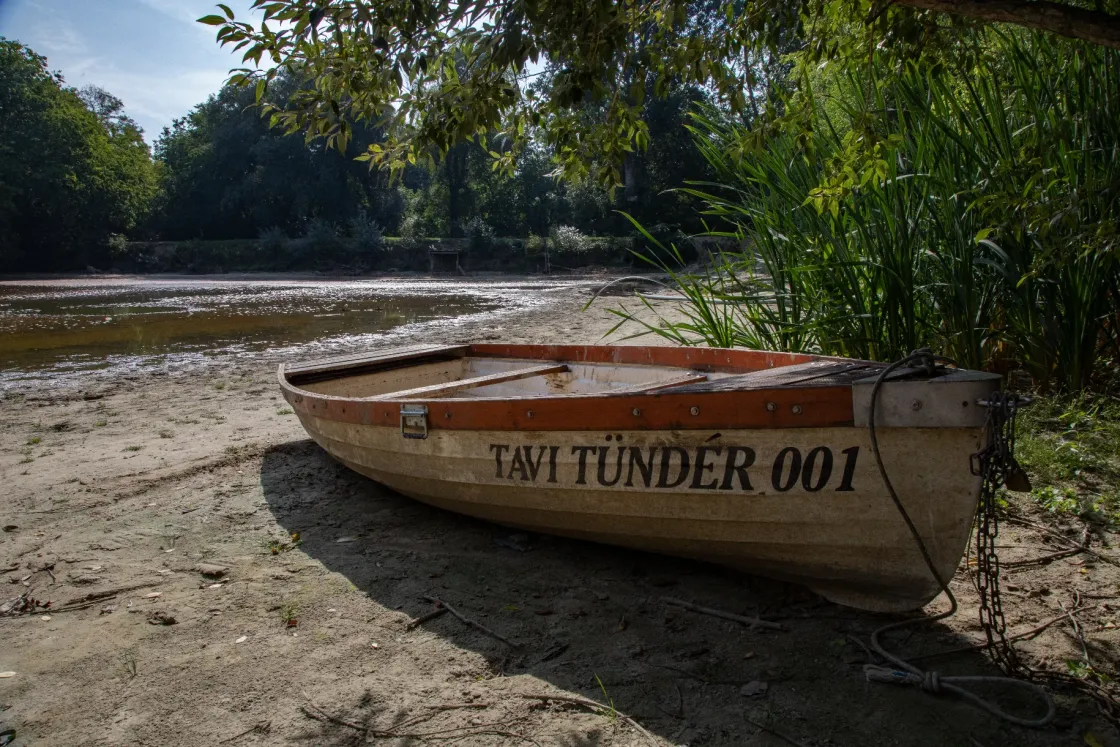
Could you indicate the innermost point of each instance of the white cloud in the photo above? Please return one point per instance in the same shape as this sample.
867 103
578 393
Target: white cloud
154 98
60 39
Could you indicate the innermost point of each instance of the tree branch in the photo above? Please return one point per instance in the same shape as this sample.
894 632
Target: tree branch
1093 26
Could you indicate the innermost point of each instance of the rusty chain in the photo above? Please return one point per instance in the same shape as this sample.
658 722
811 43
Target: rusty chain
995 464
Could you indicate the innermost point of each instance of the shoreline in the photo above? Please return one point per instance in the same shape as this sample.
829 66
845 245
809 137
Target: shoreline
589 273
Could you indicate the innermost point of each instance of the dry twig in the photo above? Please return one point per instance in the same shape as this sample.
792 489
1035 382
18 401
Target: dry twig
1059 535
752 621
319 714
593 705
262 727
1076 627
425 618
472 623
1083 546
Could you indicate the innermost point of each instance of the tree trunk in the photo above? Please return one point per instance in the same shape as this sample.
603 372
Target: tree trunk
1093 26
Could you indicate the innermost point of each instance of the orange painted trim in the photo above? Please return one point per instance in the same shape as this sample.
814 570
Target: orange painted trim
803 407
820 408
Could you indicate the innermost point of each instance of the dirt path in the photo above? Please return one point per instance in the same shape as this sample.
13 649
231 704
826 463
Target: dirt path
113 497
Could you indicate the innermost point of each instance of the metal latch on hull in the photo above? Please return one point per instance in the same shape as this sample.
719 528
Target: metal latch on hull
414 421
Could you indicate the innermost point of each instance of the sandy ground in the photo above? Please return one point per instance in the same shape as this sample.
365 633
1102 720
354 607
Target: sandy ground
113 496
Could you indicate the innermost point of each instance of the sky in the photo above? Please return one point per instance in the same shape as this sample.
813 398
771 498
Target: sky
151 54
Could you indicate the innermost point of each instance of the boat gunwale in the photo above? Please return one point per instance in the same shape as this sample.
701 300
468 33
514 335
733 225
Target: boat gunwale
769 407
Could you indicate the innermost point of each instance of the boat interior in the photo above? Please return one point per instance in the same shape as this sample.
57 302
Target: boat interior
468 372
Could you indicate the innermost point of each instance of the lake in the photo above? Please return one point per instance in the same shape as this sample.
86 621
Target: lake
63 328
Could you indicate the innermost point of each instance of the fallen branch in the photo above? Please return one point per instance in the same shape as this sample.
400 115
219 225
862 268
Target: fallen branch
1059 535
315 712
1077 628
437 709
472 623
495 733
1083 546
425 618
593 705
1010 639
752 621
97 597
263 727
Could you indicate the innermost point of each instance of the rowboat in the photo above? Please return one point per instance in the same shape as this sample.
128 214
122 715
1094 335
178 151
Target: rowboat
756 460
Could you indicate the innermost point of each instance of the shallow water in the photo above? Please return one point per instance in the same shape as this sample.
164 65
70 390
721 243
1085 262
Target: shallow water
62 328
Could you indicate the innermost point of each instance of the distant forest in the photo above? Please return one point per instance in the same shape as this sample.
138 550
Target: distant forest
78 181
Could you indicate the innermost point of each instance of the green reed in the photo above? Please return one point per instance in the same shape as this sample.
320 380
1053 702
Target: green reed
975 212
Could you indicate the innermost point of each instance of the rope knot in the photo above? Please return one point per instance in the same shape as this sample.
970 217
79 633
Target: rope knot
931 682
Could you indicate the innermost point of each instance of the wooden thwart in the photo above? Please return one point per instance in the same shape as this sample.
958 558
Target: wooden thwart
438 390
346 362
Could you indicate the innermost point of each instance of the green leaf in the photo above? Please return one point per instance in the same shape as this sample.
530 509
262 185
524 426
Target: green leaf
212 20
226 9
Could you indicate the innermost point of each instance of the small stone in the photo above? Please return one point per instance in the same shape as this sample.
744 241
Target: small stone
212 571
106 545
159 617
45 618
7 675
754 688
86 578
242 639
154 595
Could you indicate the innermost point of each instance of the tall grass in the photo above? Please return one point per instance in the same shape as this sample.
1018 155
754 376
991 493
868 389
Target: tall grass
975 212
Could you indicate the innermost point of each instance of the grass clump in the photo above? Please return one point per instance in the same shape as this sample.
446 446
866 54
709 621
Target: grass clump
1071 448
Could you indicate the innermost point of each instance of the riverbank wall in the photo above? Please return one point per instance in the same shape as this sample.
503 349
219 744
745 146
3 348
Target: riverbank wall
512 255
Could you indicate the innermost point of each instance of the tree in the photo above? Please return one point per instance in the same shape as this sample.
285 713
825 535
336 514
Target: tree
228 175
68 179
435 73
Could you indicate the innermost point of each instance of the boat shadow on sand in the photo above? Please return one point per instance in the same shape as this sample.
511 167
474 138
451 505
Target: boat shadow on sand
591 620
